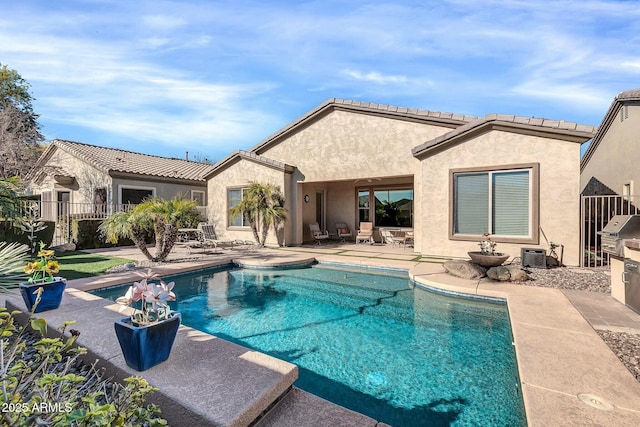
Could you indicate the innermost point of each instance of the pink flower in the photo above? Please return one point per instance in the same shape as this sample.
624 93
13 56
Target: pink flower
158 296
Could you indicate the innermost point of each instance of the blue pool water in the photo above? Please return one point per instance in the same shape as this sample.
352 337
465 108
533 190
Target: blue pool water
369 342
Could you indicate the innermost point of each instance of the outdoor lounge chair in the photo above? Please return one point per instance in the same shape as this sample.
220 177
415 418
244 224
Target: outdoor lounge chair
209 238
365 234
402 237
318 235
342 231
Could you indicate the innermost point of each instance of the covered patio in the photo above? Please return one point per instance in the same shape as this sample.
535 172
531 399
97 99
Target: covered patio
387 202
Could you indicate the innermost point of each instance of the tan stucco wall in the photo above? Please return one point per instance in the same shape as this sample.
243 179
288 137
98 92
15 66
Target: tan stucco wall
346 145
559 190
617 157
239 175
87 179
339 152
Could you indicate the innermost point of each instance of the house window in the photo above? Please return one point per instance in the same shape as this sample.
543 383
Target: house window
499 202
234 197
198 197
135 195
100 202
627 190
392 207
363 206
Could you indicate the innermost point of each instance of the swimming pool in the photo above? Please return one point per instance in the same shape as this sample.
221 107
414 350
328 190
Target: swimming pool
369 342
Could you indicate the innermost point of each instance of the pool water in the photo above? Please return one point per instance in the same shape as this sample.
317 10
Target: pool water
369 342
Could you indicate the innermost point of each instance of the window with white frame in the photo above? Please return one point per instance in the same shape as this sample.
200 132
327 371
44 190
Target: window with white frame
135 195
198 197
499 202
234 198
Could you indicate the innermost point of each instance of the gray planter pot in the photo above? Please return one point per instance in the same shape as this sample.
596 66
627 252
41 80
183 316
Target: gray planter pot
485 260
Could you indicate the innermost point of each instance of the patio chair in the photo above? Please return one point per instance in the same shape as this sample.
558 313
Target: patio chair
342 231
402 237
365 234
209 238
386 235
318 235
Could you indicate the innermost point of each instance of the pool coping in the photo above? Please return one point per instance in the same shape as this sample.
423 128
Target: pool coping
562 361
567 372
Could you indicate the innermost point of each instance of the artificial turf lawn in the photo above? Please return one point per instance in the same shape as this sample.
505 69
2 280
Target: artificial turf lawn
76 265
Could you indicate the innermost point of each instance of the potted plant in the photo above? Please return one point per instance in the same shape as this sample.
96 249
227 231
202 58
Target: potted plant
42 273
487 256
146 337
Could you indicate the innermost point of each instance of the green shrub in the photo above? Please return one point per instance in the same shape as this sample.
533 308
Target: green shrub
10 232
45 383
85 234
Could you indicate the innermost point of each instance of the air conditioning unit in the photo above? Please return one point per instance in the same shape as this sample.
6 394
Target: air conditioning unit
533 257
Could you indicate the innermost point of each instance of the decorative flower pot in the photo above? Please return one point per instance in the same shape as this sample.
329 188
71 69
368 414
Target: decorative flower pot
486 260
51 294
146 346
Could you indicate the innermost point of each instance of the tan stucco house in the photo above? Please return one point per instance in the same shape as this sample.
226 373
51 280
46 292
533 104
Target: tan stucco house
89 179
610 164
450 178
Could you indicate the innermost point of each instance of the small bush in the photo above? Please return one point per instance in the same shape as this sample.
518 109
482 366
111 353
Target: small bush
9 232
45 383
85 234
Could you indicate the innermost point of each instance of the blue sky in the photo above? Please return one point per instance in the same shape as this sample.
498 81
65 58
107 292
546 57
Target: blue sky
210 77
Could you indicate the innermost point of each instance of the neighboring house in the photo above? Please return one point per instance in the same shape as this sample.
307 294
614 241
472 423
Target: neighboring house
611 163
448 177
79 178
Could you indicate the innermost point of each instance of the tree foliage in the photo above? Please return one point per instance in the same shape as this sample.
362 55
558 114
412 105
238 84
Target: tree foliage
155 215
9 199
263 206
20 136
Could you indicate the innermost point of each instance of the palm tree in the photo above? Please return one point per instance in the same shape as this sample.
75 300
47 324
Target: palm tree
263 206
154 215
12 259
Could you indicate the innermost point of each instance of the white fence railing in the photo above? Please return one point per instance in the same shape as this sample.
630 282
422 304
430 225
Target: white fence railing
62 213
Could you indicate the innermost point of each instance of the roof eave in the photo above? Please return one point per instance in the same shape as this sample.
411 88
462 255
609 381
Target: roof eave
576 136
400 113
238 155
156 178
612 112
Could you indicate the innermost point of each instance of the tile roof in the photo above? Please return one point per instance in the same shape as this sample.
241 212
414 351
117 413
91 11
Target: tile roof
111 160
403 113
616 104
627 95
556 128
248 155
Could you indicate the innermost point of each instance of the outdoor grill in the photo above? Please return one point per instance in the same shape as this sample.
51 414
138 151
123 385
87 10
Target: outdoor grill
620 227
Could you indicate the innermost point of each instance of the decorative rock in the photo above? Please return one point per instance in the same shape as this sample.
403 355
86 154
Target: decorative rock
65 247
464 269
507 273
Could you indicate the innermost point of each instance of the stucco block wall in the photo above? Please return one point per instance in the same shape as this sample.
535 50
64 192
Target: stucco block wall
239 175
347 145
559 190
617 157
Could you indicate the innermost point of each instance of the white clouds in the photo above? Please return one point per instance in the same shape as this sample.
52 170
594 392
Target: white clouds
375 77
224 73
163 22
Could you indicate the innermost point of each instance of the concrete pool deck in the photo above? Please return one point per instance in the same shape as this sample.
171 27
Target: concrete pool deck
565 368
